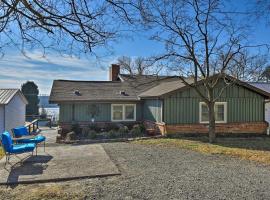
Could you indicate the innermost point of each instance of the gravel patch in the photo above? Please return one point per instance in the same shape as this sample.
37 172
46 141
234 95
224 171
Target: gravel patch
168 173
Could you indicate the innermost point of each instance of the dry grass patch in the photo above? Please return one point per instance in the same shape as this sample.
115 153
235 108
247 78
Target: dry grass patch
1 152
52 192
254 149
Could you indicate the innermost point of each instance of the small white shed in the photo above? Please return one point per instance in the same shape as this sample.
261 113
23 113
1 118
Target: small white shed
12 109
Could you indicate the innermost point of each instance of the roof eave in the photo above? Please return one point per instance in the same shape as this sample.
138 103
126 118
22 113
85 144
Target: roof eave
92 100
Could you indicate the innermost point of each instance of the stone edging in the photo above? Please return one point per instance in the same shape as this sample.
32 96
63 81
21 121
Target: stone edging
91 141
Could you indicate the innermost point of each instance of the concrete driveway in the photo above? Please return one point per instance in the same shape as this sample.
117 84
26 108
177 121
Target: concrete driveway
62 162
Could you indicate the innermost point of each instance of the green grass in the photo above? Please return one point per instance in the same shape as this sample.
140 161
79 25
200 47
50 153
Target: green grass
254 149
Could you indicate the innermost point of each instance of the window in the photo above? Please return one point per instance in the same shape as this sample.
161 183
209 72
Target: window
220 112
117 112
129 112
204 113
123 112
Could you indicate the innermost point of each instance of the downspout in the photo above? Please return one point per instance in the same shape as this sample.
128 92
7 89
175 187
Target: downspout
162 110
162 116
4 117
268 128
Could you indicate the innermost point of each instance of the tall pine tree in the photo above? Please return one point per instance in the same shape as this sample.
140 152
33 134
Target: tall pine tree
30 91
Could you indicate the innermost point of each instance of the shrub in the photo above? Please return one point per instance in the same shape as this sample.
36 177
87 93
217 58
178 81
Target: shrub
76 128
85 131
130 126
111 126
123 131
137 130
112 133
142 128
92 134
95 127
71 136
104 135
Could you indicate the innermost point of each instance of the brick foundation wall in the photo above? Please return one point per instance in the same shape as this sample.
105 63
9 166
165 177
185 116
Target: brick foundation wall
234 128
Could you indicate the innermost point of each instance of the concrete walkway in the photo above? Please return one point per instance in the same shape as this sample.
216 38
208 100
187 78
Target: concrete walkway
49 133
64 162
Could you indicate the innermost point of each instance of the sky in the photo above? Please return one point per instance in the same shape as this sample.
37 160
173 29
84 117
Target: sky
15 68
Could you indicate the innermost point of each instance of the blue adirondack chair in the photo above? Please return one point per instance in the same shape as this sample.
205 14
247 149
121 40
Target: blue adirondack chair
10 148
22 131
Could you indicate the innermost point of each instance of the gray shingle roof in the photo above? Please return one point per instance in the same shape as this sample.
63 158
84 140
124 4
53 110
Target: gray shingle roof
170 86
134 88
164 88
263 86
7 94
141 83
64 90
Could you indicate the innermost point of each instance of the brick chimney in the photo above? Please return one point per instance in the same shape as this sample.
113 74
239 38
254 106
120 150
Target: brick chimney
114 72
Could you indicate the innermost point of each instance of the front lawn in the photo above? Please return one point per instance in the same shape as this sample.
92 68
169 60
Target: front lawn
254 149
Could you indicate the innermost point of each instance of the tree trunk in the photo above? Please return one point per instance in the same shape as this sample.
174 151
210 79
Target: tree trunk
212 122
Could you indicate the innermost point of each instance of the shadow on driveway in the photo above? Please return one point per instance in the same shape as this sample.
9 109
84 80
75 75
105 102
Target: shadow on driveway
33 165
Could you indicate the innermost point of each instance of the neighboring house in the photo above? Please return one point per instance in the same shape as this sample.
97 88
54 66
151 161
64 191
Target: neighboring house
164 101
12 109
265 87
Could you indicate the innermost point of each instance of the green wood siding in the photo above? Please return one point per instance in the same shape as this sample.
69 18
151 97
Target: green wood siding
153 110
139 112
243 106
65 113
82 112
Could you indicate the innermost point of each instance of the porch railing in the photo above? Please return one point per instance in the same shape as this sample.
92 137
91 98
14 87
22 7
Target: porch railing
33 125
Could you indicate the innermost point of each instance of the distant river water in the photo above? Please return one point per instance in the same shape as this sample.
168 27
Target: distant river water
54 112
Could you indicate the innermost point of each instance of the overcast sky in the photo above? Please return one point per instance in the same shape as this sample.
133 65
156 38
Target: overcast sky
15 68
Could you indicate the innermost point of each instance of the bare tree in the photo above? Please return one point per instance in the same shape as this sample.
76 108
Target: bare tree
248 67
202 40
265 76
139 65
72 26
261 10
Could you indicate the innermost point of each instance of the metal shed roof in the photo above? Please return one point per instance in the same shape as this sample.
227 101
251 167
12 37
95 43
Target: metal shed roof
7 94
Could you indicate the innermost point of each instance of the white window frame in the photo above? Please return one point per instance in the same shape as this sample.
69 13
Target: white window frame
216 103
123 113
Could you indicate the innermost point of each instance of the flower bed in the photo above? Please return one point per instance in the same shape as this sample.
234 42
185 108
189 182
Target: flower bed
112 131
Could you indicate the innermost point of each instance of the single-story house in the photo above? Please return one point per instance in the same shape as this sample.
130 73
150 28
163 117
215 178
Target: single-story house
163 101
12 109
265 86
